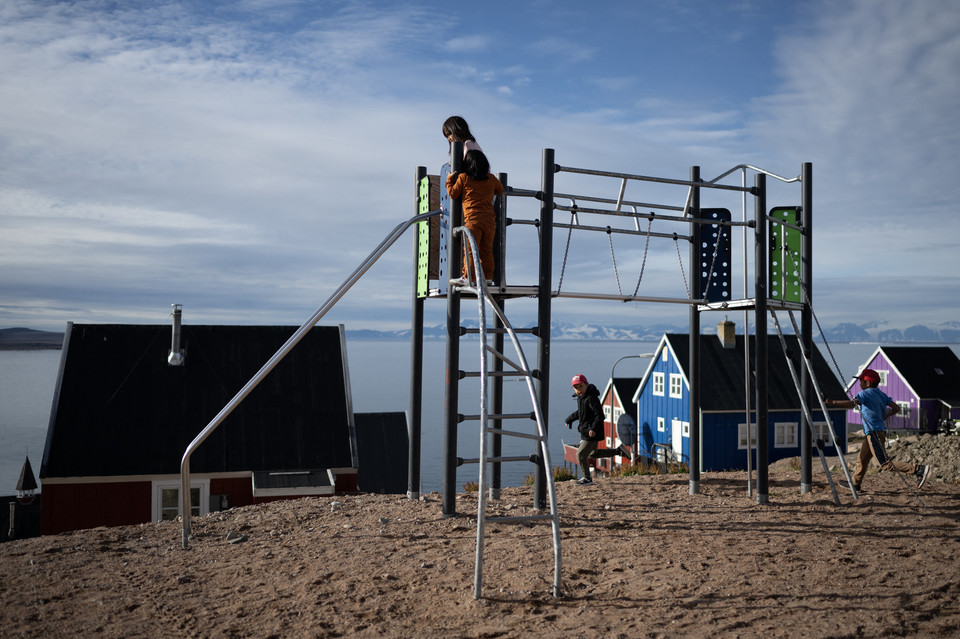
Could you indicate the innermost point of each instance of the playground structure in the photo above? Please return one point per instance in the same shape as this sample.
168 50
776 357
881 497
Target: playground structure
782 253
782 245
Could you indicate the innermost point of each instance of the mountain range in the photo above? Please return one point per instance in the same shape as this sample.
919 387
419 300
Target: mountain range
876 331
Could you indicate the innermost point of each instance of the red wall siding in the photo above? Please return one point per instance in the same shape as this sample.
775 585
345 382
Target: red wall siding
76 506
240 490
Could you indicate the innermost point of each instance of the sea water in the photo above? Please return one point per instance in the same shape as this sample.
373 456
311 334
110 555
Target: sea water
380 374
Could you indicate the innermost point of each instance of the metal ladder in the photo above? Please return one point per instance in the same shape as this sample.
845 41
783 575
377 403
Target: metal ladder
476 286
806 409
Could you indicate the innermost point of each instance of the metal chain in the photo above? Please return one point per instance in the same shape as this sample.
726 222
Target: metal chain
676 243
646 249
566 251
614 258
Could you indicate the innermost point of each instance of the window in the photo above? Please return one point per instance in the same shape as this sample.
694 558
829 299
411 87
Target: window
685 429
904 409
658 384
883 377
676 385
821 431
606 411
166 499
661 425
663 356
742 436
785 435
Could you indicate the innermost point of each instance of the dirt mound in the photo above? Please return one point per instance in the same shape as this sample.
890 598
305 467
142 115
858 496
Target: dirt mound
641 557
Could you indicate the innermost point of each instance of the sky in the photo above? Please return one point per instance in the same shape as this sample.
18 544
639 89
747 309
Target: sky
242 158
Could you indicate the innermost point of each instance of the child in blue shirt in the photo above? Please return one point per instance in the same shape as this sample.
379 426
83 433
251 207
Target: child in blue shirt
875 407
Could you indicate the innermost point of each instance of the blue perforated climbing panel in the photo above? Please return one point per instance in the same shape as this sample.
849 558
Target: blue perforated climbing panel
713 250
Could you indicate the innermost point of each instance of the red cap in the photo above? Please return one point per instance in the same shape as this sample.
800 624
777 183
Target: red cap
578 379
868 375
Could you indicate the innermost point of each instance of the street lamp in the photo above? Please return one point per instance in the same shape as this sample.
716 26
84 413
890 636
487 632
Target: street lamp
612 369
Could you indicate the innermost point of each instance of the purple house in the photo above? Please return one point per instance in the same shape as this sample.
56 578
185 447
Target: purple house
923 380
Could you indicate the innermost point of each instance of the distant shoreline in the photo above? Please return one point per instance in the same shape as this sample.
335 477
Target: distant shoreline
27 339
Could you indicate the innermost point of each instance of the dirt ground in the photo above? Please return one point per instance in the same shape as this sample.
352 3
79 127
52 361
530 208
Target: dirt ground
641 557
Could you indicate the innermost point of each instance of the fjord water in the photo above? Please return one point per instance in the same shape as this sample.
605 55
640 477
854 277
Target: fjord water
380 374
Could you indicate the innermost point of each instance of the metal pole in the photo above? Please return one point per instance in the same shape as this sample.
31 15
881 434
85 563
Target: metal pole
452 378
416 362
748 379
543 310
806 321
500 239
760 304
694 313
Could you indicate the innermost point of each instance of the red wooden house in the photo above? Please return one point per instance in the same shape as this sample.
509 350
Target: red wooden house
127 403
618 412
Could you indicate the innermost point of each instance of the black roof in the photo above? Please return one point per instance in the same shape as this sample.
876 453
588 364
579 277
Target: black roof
27 481
626 387
933 372
722 383
120 409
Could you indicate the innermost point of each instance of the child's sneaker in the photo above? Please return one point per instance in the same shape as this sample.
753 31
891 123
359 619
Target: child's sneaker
922 473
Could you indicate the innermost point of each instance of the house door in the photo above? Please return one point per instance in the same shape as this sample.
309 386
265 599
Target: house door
676 438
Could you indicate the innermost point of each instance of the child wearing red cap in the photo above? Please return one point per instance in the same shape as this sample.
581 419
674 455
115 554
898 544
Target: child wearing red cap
590 415
875 407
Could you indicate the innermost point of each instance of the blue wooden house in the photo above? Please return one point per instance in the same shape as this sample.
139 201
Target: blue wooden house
923 380
663 402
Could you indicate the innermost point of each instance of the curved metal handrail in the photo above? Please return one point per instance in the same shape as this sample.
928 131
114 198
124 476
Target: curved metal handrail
185 500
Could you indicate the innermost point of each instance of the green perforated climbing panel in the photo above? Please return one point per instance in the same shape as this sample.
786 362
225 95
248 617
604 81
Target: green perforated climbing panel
785 255
423 240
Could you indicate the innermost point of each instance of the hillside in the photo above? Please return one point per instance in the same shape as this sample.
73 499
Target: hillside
25 339
641 557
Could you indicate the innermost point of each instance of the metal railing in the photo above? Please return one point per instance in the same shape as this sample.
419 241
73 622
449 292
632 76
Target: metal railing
185 498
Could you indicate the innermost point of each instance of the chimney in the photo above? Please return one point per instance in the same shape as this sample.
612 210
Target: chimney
726 331
176 356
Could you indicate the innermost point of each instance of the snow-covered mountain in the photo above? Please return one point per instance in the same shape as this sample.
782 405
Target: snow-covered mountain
874 331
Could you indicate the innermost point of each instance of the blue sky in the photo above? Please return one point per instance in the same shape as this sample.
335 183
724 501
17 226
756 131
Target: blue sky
242 158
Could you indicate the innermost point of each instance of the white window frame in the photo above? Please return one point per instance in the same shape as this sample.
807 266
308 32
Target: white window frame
201 507
742 436
676 385
785 435
904 409
661 425
664 357
658 384
820 430
685 429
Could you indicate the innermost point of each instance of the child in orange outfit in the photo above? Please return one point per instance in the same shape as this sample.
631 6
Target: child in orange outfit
477 186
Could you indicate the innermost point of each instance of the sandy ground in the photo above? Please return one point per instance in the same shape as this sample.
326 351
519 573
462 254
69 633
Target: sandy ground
641 558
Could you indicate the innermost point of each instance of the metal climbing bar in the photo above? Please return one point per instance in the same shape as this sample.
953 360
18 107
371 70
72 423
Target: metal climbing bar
647 178
809 417
478 287
823 405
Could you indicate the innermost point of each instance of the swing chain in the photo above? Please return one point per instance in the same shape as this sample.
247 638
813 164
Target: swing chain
614 258
566 251
676 243
646 248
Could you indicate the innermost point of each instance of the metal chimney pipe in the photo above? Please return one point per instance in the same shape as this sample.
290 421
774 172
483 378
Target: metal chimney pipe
176 357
